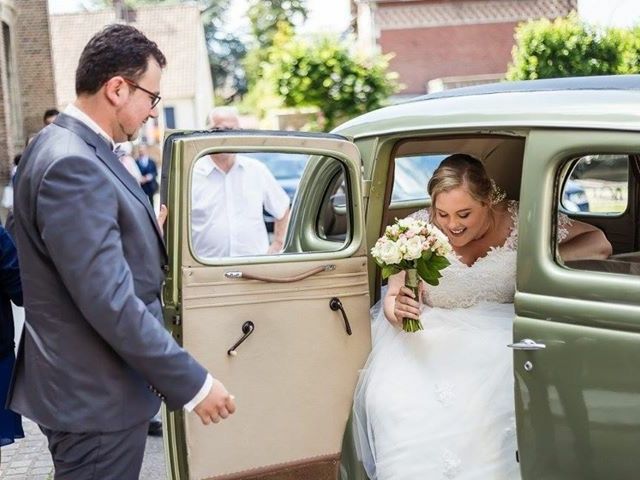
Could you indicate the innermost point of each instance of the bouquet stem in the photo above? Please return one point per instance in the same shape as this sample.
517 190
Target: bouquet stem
412 281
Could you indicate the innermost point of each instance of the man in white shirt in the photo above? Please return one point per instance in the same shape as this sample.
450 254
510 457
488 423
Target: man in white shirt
228 196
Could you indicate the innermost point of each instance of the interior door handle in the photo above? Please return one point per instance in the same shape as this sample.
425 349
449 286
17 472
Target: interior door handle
296 278
247 329
335 304
527 344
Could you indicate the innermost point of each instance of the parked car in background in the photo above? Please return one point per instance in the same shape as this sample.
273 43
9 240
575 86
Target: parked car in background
574 198
289 333
287 168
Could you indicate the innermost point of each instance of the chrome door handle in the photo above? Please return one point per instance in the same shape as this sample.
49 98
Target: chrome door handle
527 344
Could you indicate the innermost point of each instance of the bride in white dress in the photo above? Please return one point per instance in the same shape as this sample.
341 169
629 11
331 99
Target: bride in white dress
439 404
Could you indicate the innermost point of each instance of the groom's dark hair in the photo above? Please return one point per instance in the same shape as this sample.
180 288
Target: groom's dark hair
116 50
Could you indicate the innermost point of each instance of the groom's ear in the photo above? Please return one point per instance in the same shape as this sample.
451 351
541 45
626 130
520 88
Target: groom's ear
116 91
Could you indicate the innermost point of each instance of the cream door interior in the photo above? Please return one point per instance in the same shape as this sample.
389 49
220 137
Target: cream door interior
294 374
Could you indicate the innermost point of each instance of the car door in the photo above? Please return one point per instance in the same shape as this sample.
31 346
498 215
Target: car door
286 333
577 330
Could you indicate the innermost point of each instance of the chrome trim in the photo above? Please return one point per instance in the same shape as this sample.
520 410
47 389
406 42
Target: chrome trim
527 344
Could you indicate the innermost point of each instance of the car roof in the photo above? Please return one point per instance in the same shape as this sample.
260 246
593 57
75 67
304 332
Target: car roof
605 102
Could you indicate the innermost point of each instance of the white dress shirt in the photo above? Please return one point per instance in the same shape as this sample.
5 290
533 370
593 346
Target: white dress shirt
226 208
78 114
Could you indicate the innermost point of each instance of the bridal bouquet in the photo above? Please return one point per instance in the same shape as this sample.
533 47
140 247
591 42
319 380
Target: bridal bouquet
419 249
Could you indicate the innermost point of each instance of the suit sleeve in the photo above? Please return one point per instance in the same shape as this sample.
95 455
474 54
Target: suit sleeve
77 215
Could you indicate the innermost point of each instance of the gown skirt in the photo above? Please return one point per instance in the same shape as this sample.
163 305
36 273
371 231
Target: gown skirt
439 404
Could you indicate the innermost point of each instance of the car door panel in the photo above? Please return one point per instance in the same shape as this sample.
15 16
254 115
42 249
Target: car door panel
281 410
294 375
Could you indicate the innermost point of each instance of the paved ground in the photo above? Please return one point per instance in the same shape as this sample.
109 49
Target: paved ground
29 459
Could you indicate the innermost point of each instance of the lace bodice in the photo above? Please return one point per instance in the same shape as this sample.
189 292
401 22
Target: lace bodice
491 278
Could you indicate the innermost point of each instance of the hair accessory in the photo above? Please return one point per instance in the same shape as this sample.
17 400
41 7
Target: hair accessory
497 195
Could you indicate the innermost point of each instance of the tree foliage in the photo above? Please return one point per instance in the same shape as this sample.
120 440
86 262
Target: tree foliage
327 75
271 20
265 15
569 47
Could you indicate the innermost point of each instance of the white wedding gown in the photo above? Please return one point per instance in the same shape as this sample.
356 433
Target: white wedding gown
439 404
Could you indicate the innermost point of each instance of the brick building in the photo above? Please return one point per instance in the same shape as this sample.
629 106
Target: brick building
26 75
440 44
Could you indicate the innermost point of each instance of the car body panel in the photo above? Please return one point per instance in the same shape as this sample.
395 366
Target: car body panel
578 406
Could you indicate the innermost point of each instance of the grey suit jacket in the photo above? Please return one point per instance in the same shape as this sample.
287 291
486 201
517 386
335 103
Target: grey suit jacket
94 355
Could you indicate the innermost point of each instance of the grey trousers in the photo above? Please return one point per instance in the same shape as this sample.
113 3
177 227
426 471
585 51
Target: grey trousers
98 455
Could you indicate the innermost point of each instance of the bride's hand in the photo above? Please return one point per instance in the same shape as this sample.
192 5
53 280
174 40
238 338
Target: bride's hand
405 305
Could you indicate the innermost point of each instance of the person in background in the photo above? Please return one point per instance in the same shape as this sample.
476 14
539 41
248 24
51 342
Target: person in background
16 161
10 291
50 116
228 197
148 172
123 152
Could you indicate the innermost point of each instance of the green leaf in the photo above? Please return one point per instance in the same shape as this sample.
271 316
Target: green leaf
389 270
439 262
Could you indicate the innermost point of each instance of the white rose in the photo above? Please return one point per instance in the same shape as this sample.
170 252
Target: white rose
413 248
405 223
389 253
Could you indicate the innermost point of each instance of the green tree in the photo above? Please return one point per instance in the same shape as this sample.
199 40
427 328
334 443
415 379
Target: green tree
270 19
564 47
265 15
325 74
226 51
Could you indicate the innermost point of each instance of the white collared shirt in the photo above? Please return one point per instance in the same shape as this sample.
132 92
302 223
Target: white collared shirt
78 114
226 208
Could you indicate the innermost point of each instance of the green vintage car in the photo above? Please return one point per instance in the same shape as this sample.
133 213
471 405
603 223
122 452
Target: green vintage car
287 333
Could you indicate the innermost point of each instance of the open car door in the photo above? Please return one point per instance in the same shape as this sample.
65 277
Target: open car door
286 333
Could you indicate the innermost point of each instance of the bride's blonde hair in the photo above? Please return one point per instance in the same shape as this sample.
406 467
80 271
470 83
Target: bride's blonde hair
461 170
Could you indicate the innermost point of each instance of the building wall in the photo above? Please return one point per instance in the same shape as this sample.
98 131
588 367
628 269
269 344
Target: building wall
35 66
432 39
185 113
26 75
8 128
469 50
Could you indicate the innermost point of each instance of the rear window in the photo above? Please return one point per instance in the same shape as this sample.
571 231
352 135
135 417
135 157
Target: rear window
412 173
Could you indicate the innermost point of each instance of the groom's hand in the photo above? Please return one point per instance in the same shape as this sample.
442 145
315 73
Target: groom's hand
218 404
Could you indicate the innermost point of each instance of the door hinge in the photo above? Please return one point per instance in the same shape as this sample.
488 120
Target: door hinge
366 188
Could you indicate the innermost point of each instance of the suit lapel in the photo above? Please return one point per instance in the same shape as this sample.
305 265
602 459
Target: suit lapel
106 156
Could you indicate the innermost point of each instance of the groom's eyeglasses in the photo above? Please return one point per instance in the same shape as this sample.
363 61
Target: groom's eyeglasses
155 98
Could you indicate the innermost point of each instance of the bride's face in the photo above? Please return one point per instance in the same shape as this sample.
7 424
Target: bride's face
461 217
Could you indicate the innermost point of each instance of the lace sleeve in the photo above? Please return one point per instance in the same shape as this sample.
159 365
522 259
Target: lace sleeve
564 223
422 214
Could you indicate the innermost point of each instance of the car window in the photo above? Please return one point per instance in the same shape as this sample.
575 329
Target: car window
242 202
411 175
597 184
596 192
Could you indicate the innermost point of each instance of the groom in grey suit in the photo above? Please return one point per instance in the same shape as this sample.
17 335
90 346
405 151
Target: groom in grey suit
95 359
